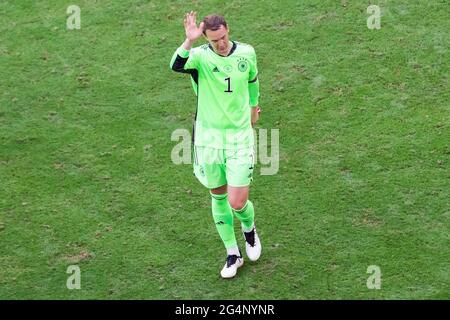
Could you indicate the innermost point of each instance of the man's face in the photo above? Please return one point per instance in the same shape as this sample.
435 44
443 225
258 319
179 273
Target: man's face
218 40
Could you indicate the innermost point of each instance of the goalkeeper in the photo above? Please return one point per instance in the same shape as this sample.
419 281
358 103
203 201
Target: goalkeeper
224 76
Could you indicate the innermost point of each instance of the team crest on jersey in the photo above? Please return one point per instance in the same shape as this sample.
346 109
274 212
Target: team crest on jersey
242 64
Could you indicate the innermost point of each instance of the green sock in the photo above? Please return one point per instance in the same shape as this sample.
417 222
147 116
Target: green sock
223 218
246 215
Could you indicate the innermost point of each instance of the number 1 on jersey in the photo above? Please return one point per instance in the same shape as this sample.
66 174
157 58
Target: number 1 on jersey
229 85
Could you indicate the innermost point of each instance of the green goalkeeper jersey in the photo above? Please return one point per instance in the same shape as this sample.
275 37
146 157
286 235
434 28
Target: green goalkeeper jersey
226 89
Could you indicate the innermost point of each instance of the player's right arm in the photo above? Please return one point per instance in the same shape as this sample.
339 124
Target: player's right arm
182 60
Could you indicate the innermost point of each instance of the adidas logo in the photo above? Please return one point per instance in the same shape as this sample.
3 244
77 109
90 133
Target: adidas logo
215 69
220 222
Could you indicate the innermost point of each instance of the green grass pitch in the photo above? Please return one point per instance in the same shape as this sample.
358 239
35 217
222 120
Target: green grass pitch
86 175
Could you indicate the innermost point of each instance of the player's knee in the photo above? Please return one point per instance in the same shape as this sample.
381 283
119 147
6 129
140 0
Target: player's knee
219 190
237 203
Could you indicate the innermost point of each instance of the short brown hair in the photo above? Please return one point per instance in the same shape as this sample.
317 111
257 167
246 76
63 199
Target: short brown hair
213 23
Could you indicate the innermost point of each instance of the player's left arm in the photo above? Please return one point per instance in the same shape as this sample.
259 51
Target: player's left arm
253 88
255 115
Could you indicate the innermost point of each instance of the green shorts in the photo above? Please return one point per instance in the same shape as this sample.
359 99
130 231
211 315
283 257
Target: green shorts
217 167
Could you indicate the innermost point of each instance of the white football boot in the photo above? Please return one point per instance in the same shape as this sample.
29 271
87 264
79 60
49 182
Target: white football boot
233 263
252 244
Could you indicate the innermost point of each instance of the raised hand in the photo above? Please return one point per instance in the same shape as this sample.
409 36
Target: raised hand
190 26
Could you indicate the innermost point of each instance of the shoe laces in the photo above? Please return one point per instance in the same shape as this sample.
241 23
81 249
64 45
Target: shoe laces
250 237
231 259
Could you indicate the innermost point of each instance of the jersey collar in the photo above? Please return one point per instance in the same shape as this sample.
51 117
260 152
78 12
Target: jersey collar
229 54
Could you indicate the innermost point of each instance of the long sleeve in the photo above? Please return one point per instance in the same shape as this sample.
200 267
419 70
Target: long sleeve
253 83
184 61
253 90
